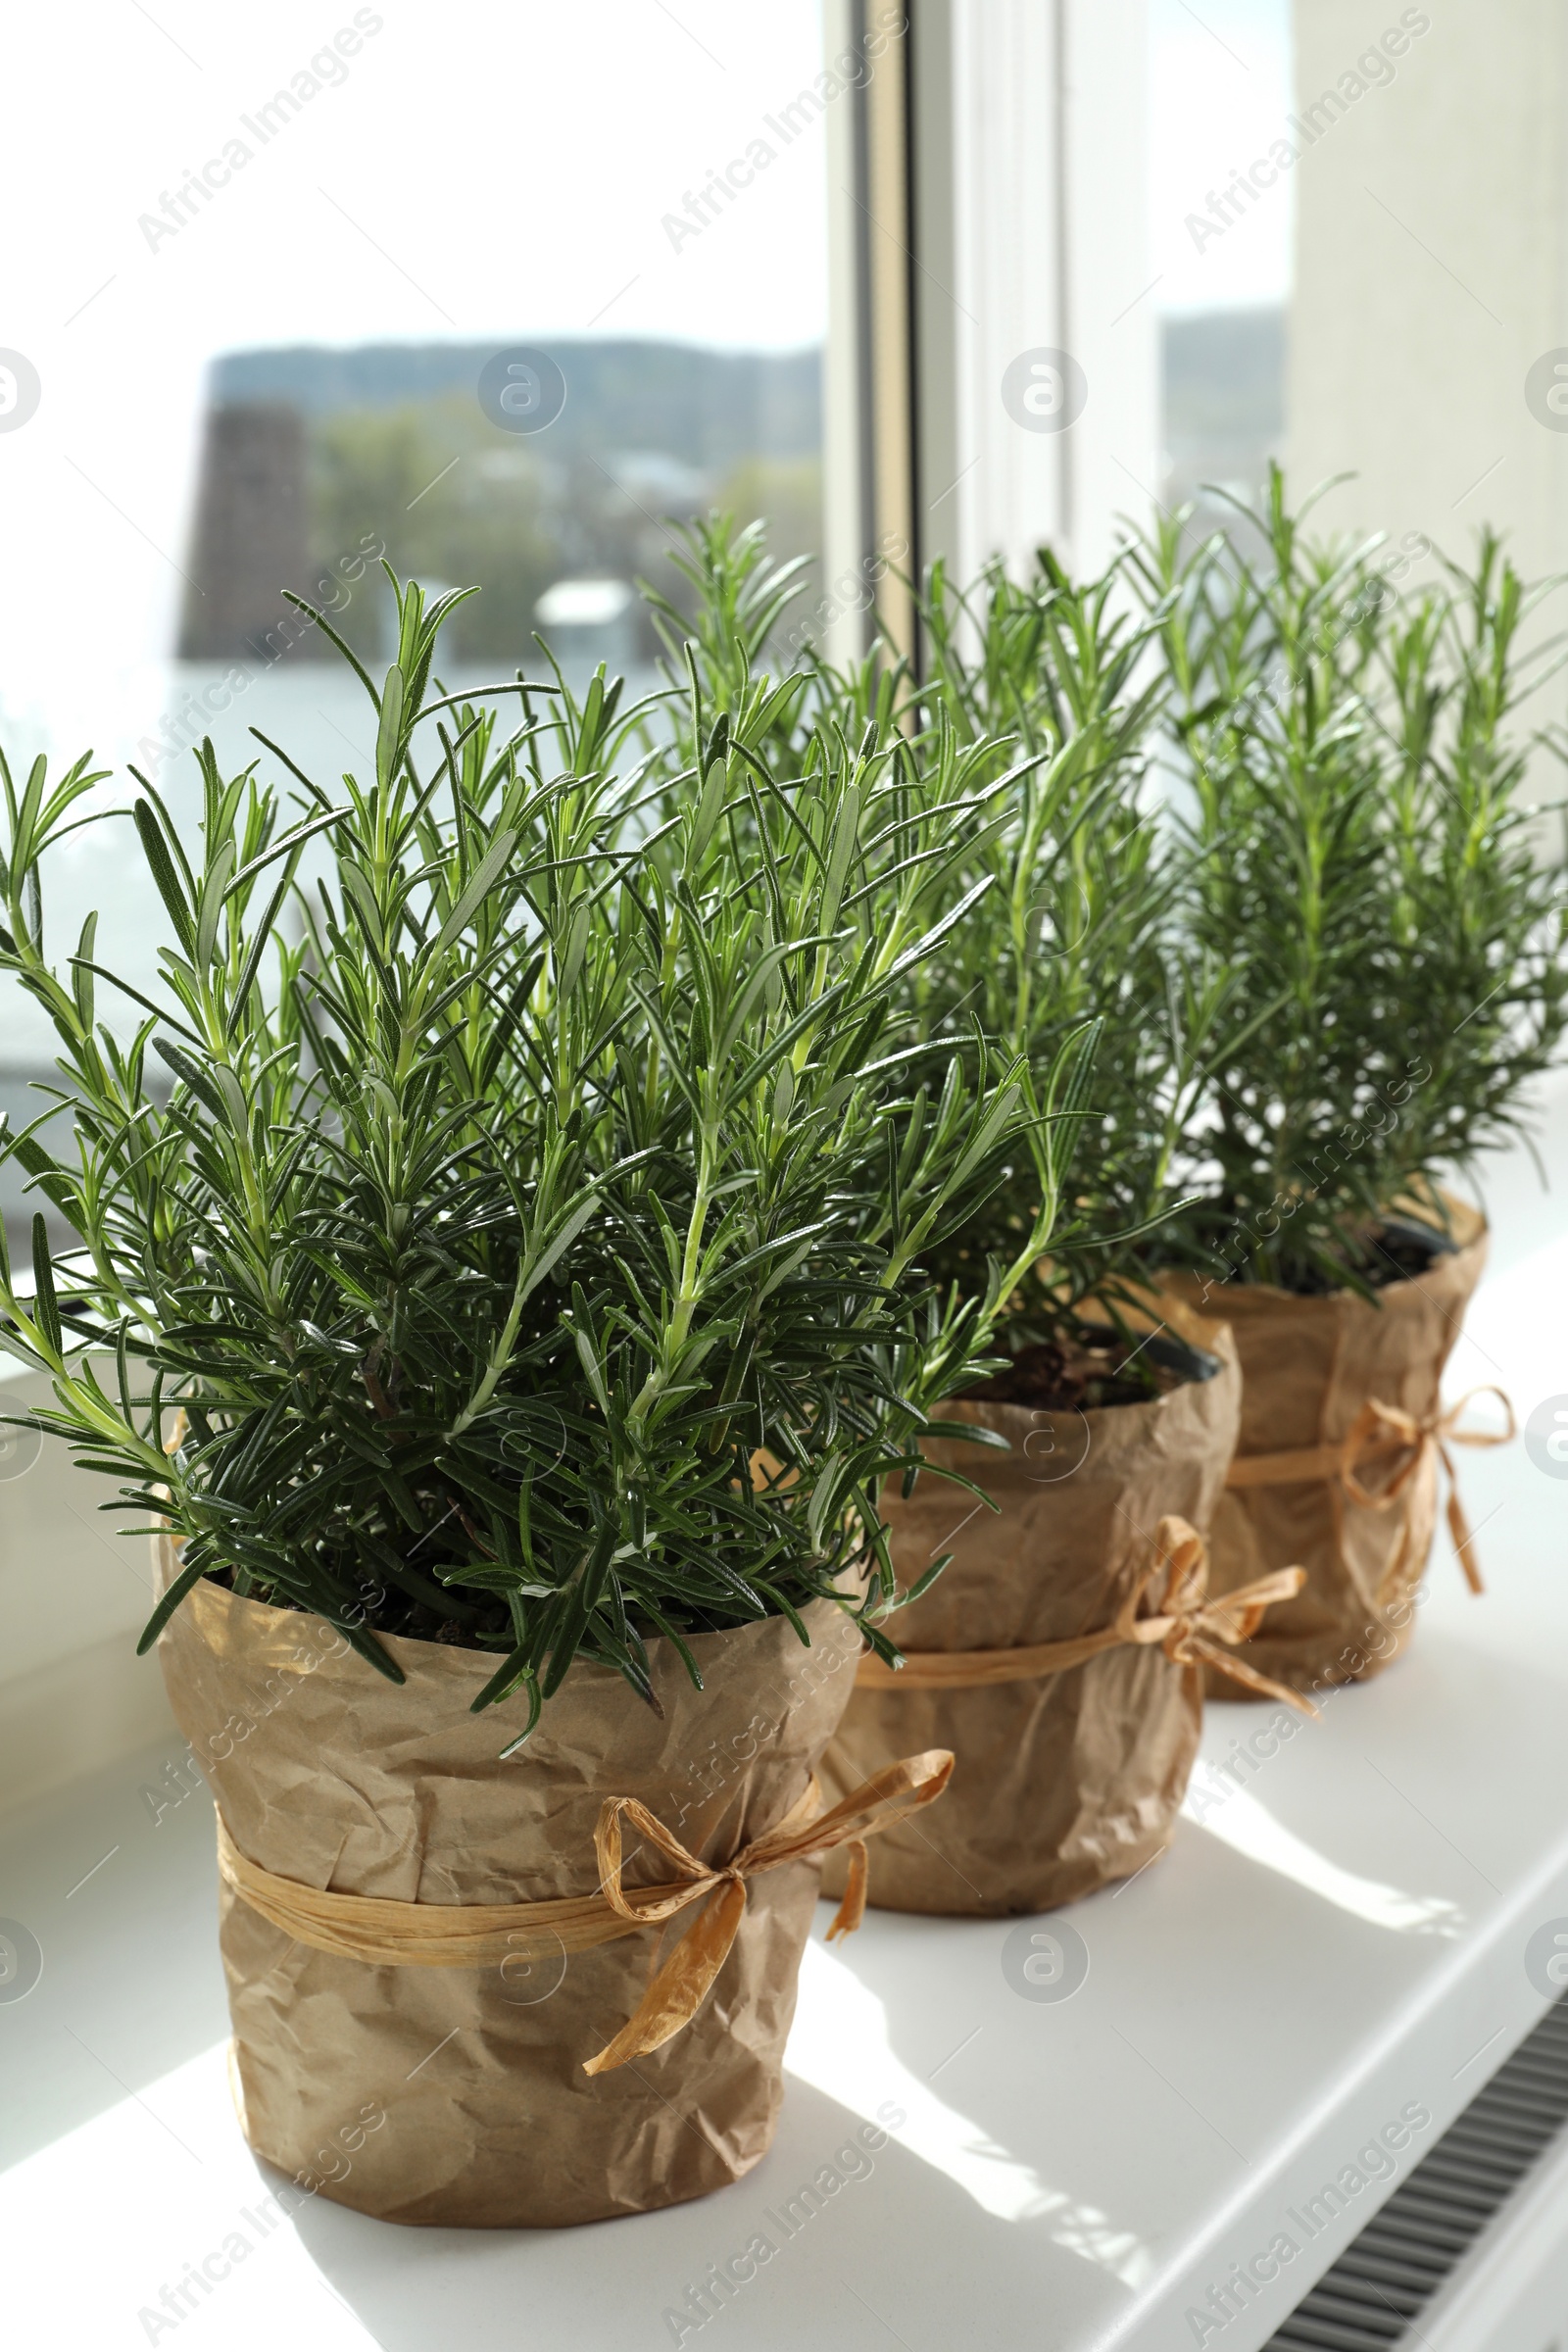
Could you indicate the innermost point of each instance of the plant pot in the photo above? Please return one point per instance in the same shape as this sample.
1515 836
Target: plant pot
1064 1780
326 1774
1314 1372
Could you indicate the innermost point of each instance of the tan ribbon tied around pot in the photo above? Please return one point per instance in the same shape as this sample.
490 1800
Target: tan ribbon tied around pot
383 1933
1384 1433
1181 1621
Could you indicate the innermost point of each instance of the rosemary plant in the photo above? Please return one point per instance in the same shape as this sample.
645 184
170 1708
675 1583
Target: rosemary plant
1361 856
1071 942
1035 720
518 1236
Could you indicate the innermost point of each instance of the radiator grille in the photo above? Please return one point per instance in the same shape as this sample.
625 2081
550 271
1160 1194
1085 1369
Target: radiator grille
1370 2298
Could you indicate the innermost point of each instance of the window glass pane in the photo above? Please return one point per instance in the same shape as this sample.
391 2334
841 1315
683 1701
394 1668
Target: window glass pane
1222 151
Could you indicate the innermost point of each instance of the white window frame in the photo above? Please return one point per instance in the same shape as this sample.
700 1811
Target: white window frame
987 196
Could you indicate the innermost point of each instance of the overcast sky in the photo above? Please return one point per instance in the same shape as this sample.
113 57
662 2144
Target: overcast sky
1220 93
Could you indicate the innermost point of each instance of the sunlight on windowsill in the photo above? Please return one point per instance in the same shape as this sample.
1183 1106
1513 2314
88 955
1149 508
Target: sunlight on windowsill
1240 1822
840 2044
180 2132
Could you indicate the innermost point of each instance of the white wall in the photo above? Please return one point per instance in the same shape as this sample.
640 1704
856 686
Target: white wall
1430 272
73 1596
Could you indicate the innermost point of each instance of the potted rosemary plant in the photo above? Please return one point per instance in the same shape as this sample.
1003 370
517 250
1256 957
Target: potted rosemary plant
1360 857
1059 1653
496 1266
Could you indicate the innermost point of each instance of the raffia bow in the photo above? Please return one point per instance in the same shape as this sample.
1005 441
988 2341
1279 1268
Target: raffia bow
1383 1433
1170 1606
382 1933
678 1990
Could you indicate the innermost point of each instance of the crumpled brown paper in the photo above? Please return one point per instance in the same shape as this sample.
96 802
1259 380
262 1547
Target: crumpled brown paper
327 1772
1063 1783
1308 1365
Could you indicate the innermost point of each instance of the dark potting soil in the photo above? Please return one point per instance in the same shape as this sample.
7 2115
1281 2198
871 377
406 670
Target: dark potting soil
1088 1376
486 1621
1397 1250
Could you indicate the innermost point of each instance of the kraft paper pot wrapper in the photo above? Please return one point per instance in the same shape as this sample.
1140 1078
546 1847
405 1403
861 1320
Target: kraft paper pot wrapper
1072 1778
1309 1365
326 1773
